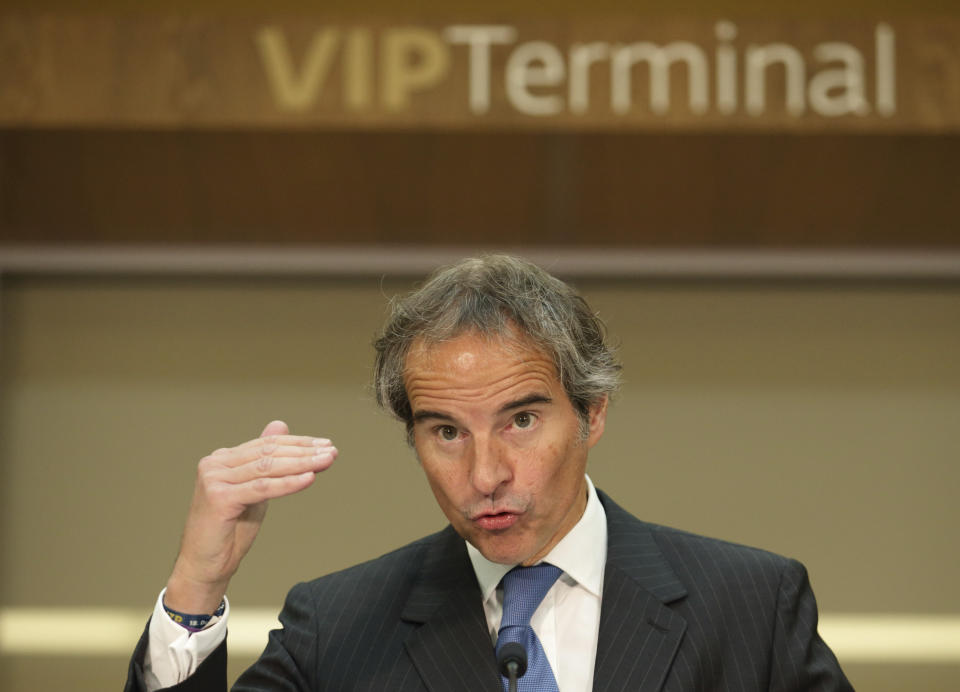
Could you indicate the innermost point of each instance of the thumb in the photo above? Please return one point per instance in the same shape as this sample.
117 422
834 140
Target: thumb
276 427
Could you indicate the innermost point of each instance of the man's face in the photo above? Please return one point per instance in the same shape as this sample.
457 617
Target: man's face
500 443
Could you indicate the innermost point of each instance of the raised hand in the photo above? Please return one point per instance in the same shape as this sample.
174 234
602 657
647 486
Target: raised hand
229 503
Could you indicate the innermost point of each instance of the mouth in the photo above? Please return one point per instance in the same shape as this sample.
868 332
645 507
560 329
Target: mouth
496 521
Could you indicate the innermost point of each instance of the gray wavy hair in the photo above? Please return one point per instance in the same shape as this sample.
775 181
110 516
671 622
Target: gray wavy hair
507 297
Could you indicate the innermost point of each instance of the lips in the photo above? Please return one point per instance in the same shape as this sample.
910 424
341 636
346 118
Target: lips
496 521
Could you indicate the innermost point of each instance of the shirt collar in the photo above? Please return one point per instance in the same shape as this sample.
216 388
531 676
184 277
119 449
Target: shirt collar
581 554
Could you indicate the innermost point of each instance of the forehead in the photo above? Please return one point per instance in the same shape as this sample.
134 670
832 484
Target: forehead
476 365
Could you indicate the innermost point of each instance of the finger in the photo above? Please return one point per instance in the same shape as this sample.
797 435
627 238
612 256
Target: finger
262 446
268 448
277 466
275 427
260 489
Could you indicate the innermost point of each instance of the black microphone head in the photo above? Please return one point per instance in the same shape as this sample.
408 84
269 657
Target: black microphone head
512 654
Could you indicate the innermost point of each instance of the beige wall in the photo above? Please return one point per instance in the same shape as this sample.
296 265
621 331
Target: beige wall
817 421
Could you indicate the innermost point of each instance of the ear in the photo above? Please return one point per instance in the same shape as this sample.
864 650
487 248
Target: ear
598 420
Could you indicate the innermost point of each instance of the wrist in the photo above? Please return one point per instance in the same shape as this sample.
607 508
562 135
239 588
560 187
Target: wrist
193 622
186 595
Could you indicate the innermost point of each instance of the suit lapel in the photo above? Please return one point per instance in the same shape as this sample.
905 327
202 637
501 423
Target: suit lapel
451 649
639 635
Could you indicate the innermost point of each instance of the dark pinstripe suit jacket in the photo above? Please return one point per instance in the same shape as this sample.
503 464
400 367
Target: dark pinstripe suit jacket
680 612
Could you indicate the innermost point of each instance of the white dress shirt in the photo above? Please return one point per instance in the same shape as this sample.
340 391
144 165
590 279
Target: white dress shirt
567 621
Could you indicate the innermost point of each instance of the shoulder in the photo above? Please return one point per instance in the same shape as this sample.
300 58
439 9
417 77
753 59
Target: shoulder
331 624
715 552
703 561
719 565
372 584
736 602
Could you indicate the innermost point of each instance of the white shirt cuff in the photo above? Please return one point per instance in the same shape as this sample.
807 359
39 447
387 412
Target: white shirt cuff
174 653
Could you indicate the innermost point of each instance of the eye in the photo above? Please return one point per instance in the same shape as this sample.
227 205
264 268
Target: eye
523 420
447 433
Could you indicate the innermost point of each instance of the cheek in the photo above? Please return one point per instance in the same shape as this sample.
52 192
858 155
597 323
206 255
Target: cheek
567 464
539 470
442 481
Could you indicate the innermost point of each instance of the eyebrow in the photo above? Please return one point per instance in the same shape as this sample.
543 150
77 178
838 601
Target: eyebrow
419 416
528 400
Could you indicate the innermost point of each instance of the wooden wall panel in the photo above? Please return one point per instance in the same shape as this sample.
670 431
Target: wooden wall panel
606 189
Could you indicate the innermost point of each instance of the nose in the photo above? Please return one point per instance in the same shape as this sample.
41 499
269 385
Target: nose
491 466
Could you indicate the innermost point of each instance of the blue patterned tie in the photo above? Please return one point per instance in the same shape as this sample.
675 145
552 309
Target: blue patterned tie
523 589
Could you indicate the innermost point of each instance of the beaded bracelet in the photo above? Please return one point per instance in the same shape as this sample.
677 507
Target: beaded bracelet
194 623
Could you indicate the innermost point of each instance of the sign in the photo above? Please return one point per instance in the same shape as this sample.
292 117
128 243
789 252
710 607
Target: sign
639 73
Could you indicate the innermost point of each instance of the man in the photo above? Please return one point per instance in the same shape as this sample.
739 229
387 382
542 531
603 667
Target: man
502 376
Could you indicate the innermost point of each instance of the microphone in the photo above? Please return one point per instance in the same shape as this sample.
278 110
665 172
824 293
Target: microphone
512 661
